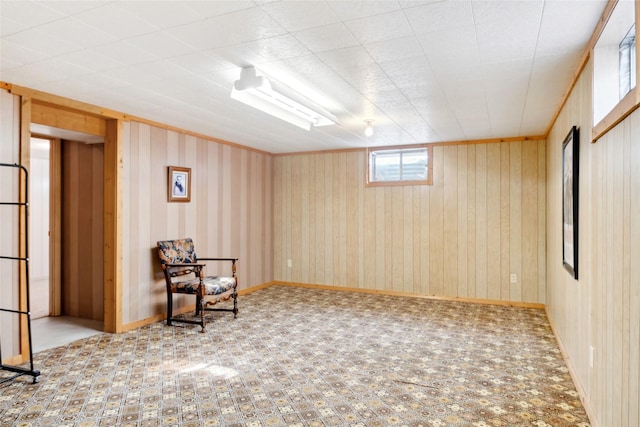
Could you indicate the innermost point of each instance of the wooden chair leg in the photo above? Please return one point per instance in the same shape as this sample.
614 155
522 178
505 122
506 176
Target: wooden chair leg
235 304
203 305
169 307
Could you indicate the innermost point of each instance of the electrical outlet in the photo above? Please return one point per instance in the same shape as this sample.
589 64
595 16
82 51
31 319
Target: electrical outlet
592 355
289 263
514 278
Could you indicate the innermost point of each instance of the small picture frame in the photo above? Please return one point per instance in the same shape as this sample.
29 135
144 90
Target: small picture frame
570 152
179 184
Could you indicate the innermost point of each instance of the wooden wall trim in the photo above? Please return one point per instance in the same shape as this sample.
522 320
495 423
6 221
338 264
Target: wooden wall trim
413 295
431 144
67 119
113 164
25 160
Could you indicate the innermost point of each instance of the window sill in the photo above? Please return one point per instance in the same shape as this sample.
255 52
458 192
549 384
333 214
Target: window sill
624 108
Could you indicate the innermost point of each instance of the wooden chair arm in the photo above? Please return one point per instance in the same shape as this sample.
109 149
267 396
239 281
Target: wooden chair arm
218 259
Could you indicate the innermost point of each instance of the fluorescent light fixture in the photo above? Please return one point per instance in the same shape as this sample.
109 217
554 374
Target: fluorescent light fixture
279 101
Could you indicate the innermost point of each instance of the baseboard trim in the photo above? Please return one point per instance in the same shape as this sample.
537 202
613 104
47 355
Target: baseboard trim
586 402
414 295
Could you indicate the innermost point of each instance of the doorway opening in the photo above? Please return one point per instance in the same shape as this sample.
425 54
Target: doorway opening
66 240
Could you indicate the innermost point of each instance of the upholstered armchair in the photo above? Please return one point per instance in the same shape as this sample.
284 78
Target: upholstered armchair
184 274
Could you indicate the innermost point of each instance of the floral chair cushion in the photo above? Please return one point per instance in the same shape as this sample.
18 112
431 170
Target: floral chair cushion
214 285
177 251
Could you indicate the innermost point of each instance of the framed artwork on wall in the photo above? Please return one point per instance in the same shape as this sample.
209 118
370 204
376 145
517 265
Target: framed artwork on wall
570 151
179 184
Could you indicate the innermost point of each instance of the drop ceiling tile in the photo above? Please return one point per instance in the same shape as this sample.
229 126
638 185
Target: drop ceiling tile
75 32
161 44
348 10
236 57
228 30
70 8
497 21
125 52
409 72
328 37
16 16
392 25
39 40
394 50
278 47
302 15
161 68
350 57
19 53
558 33
449 43
167 14
208 9
130 75
199 62
116 19
440 16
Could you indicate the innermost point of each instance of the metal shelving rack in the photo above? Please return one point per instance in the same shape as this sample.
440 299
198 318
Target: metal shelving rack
21 204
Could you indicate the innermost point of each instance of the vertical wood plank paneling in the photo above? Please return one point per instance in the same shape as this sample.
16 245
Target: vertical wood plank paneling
416 231
505 223
353 218
9 226
617 265
369 249
481 221
452 238
225 217
515 218
436 222
471 221
387 243
463 250
601 308
144 241
625 263
297 172
450 220
158 223
407 239
634 274
381 235
542 224
320 224
425 249
83 236
528 277
493 222
312 220
97 233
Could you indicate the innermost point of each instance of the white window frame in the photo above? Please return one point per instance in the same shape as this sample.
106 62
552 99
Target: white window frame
610 104
400 150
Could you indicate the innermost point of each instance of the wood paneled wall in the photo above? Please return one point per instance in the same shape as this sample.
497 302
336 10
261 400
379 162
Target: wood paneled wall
82 230
601 309
481 220
230 213
9 223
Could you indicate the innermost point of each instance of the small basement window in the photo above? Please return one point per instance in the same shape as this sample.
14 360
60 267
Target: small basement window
614 69
408 165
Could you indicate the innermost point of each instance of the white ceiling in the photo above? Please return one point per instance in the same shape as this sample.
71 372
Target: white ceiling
423 71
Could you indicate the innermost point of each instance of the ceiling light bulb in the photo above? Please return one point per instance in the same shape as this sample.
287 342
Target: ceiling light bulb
368 131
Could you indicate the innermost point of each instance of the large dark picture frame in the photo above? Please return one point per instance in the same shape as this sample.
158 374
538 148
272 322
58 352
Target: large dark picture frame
570 152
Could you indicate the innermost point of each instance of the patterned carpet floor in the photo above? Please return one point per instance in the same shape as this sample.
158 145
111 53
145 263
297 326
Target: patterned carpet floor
308 357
